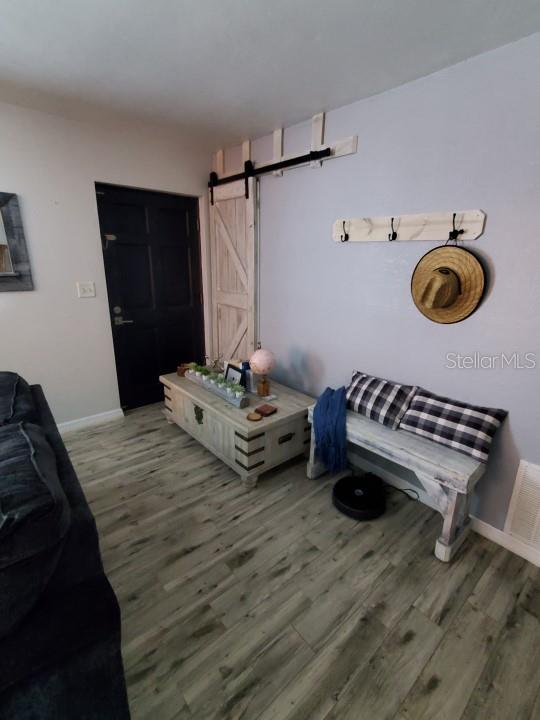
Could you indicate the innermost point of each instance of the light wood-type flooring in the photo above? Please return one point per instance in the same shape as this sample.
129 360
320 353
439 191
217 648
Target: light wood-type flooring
270 605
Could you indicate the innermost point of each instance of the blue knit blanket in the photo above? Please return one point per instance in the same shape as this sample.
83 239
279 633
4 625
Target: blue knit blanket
329 423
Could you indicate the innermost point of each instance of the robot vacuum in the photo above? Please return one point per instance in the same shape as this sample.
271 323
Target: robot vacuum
360 497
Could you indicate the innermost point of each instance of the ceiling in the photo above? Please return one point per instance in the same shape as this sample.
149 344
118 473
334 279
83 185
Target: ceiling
229 69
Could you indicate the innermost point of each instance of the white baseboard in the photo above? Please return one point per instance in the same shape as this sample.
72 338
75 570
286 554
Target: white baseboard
518 547
91 420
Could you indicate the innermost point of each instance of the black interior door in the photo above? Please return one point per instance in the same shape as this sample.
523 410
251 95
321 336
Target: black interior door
152 260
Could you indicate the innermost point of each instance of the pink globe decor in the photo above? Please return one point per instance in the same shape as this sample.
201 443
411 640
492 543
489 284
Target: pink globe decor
262 362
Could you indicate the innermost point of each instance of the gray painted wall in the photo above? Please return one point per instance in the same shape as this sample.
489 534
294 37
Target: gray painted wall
466 137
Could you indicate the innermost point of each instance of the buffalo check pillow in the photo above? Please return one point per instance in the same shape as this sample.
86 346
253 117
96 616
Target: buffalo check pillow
463 427
378 399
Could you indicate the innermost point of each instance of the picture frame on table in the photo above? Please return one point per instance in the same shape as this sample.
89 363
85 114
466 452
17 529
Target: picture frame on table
233 373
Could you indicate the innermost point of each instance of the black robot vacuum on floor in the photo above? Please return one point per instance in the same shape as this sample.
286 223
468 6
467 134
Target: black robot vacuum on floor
361 497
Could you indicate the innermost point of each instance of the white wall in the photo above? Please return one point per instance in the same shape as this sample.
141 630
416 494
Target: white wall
49 335
466 137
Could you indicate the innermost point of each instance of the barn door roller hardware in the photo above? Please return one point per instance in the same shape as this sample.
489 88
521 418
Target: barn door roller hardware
251 171
314 157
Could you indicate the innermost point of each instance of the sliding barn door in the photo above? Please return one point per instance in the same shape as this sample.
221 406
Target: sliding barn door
234 271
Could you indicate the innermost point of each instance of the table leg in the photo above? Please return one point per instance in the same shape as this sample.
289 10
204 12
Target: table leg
249 481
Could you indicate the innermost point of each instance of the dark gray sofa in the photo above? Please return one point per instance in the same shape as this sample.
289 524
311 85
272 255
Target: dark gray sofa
60 653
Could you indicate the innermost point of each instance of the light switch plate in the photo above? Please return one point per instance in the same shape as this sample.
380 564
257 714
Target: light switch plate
86 289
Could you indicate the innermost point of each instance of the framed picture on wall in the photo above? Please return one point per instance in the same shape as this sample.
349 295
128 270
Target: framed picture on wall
15 273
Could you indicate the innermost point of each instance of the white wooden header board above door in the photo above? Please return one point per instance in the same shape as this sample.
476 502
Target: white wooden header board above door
318 153
465 224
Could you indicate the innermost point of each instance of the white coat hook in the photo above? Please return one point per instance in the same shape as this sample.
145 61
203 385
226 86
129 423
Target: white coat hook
392 235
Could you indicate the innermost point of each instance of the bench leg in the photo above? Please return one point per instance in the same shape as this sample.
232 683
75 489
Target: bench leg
314 468
455 526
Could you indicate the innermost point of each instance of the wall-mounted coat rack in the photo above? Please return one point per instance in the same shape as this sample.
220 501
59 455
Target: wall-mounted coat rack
442 226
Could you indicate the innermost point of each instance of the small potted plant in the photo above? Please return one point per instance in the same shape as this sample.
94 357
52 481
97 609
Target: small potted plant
220 382
212 378
198 369
191 368
230 388
239 390
205 373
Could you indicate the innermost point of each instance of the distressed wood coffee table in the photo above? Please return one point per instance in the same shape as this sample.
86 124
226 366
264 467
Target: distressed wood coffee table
249 448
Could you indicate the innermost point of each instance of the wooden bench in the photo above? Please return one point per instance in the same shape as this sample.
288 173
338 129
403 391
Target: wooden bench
447 476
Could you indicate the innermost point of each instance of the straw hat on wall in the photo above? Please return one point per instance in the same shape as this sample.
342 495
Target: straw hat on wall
447 284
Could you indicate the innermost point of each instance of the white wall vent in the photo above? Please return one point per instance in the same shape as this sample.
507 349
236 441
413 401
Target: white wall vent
523 519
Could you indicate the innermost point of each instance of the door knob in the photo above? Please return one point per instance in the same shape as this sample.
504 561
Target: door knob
121 321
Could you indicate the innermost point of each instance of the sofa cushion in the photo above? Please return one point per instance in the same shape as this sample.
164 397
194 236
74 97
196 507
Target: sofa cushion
466 428
380 400
16 402
34 518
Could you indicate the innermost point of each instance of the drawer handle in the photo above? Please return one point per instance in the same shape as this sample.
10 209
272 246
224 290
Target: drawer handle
199 414
285 438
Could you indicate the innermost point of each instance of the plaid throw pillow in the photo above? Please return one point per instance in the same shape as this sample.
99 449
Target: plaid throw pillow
465 428
379 400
